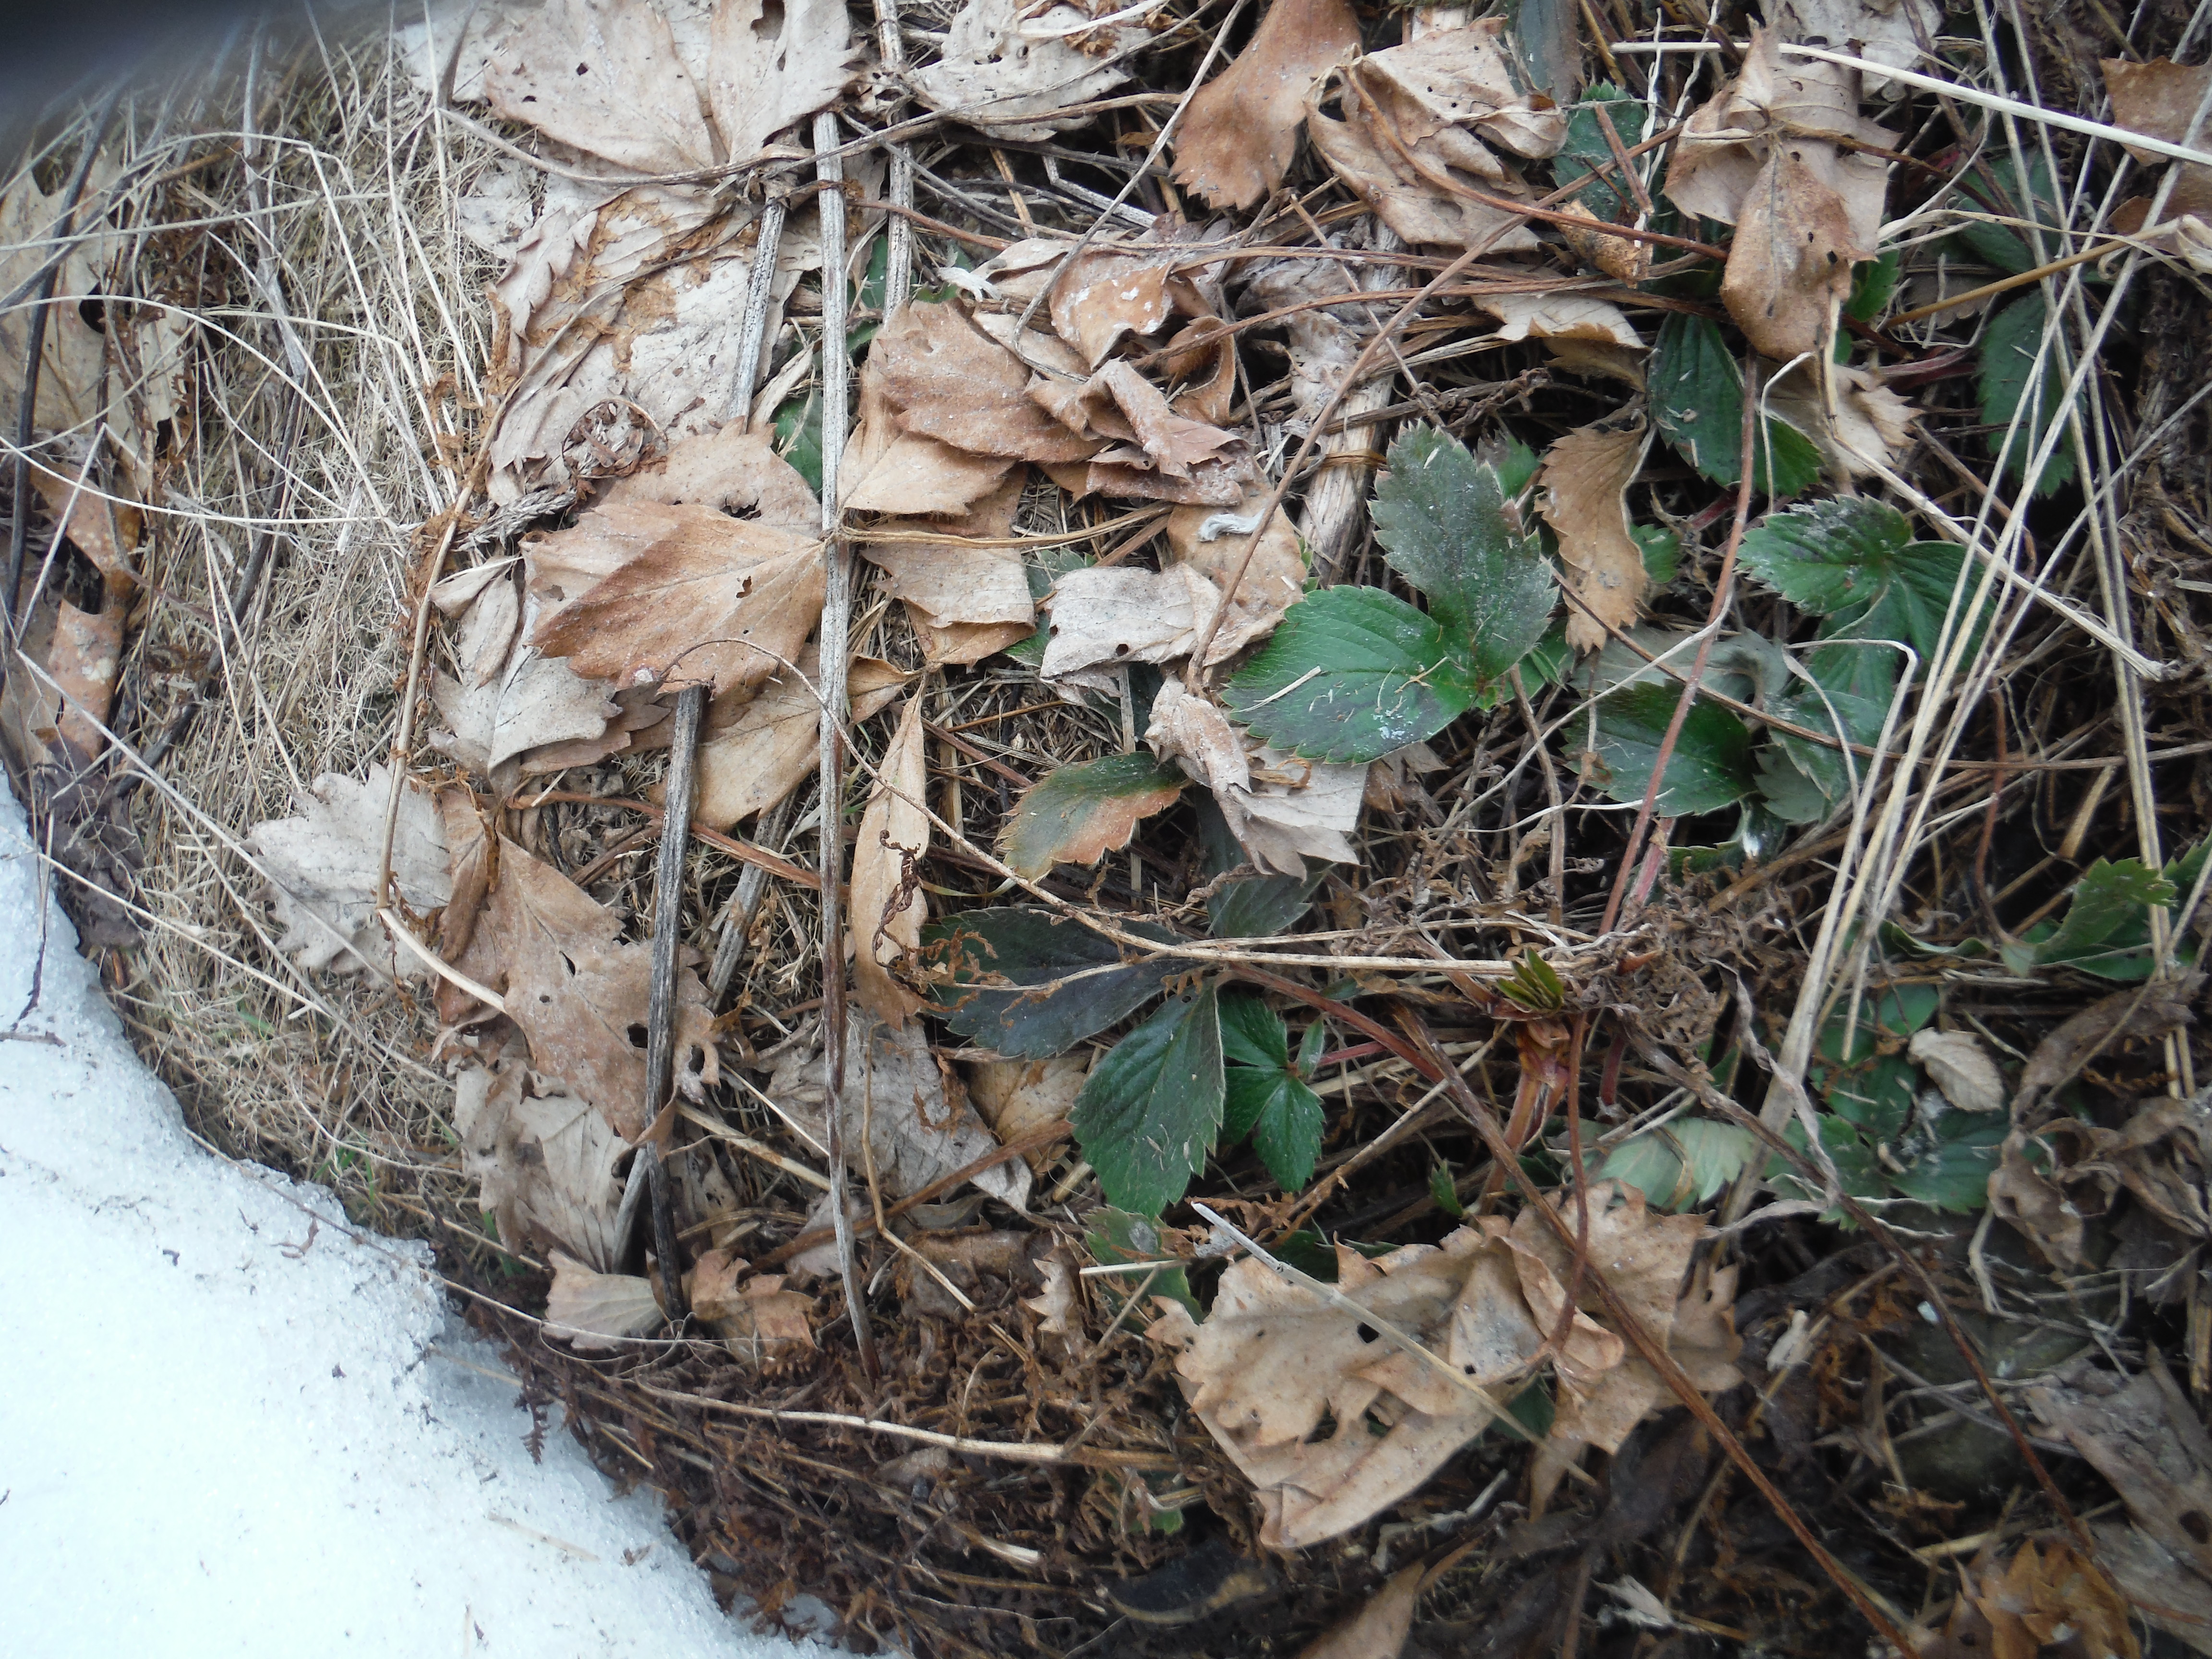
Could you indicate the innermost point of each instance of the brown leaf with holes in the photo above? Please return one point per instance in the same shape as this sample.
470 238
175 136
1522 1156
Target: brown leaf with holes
1241 132
1789 267
544 1159
603 76
709 600
579 990
770 64
888 907
1586 477
733 472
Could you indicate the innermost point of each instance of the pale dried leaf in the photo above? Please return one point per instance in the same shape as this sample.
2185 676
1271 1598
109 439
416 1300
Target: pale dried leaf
1008 75
545 1161
1789 265
944 379
1892 32
1106 619
580 993
919 1125
890 469
1586 477
1379 1629
758 751
1956 1063
603 75
593 1312
1560 317
1296 810
770 65
1194 733
1018 1097
1385 171
1119 406
888 906
1241 132
710 600
2160 98
966 602
322 862
1209 541
1867 428
733 471
1460 76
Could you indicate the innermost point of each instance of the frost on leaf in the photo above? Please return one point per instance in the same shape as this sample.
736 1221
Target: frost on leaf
323 864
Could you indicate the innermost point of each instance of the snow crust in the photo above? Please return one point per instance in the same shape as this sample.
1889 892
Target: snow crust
225 1427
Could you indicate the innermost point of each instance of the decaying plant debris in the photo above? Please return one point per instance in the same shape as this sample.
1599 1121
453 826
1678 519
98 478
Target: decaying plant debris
1515 712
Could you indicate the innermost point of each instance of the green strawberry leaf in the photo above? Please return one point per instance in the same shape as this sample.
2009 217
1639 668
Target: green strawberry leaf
2010 346
1710 768
1441 517
1852 560
1697 402
1680 1164
1350 674
1028 984
1116 1236
1078 814
1150 1110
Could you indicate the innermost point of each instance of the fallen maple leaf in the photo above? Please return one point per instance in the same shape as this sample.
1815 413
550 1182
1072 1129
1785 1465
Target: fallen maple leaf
888 906
1586 476
544 1159
323 863
578 992
2050 1597
709 600
1241 132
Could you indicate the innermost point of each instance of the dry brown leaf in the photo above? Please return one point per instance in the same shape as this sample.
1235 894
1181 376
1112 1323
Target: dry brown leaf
640 722
1560 317
1379 1629
965 602
732 471
603 76
710 600
1059 1306
890 469
1643 1256
1956 1063
323 866
2160 98
510 699
2138 1014
1210 541
771 63
1623 257
2048 1598
1240 132
1118 405
1296 810
2142 1435
944 378
593 1312
760 1321
1274 1362
579 992
888 906
545 1160
1018 1097
1008 74
1586 478
1892 32
469 856
1789 266
1104 619
1868 427
1194 733
757 751
1408 189
1105 294
1460 75
1201 360
919 1126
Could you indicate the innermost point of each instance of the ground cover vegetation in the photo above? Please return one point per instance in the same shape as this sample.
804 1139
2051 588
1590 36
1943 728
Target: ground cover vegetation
1240 827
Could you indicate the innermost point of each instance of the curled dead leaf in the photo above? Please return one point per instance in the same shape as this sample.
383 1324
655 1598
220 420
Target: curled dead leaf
1586 477
1241 132
888 906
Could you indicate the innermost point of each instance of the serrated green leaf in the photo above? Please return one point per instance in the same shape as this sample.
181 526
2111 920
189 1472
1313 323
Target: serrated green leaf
1286 1119
1514 462
1790 794
1852 560
1115 1236
1443 1190
1586 148
1079 813
1311 1046
1441 517
1681 1163
1875 1098
2016 193
1028 984
1953 1173
2010 346
1661 550
1710 768
1252 1033
1846 715
1261 907
2106 924
1898 1011
1697 402
1150 1110
1350 674
1874 281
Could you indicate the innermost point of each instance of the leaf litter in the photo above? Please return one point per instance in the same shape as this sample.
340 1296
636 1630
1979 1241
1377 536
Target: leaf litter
1466 561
